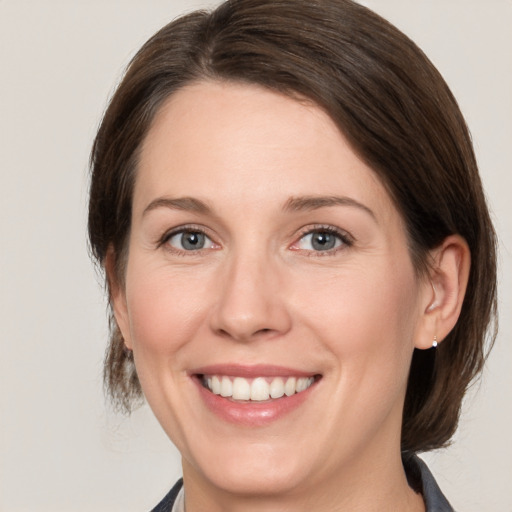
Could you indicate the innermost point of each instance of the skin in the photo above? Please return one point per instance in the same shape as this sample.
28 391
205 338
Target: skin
258 292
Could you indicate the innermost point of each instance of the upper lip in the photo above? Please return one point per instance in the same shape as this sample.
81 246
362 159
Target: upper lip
251 371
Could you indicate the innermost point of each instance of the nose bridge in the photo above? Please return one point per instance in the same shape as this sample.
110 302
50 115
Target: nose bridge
249 302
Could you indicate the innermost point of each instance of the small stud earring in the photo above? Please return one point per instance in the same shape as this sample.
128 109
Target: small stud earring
434 343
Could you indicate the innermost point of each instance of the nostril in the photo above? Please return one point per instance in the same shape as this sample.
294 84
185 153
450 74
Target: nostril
263 332
246 336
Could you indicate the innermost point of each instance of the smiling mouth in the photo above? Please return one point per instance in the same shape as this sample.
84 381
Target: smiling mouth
257 389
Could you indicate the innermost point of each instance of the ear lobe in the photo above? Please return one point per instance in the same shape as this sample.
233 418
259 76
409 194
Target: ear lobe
448 282
117 297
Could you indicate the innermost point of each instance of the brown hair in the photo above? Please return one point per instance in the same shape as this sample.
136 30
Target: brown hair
391 104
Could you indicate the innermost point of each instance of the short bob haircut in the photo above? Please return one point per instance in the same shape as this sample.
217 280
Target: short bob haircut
391 104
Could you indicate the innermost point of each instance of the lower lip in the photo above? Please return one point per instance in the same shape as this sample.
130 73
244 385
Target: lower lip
252 413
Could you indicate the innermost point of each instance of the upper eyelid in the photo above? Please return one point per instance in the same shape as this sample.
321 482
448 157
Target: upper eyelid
180 229
347 241
343 234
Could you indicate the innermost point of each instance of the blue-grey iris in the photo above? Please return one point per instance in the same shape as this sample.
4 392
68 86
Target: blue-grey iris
323 241
192 240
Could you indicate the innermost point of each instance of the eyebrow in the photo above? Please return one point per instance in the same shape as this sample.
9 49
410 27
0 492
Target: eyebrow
294 204
189 204
307 203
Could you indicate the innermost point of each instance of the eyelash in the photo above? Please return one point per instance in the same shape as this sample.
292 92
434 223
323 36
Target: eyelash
346 240
343 236
182 229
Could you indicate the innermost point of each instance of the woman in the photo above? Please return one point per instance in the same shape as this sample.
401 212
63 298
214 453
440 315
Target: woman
299 256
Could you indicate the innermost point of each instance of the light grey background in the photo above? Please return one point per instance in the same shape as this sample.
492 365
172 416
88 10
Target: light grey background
61 448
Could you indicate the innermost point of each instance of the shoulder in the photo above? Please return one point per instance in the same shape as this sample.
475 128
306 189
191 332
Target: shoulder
167 503
421 480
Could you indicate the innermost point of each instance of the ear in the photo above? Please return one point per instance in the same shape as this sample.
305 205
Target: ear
117 297
444 294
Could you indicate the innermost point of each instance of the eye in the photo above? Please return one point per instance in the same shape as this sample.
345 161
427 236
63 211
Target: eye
189 240
321 240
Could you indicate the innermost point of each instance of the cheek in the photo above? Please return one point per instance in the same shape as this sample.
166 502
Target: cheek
364 312
163 309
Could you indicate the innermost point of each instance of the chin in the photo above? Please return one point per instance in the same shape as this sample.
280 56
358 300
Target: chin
249 475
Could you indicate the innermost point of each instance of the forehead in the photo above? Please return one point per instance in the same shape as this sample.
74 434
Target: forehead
224 141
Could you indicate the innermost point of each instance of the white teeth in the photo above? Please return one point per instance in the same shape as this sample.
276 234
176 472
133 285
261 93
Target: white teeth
302 384
277 388
260 389
241 389
290 386
215 385
226 387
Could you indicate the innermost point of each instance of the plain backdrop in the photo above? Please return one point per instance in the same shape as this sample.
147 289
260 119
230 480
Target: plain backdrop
61 447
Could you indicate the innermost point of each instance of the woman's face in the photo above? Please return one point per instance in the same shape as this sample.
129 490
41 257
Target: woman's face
267 260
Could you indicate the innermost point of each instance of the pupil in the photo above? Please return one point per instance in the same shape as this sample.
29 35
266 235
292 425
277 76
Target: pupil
192 241
323 241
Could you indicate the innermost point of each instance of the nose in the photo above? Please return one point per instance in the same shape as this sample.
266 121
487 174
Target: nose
251 300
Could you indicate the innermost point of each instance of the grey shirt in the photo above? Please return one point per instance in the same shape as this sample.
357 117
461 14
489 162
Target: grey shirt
418 475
